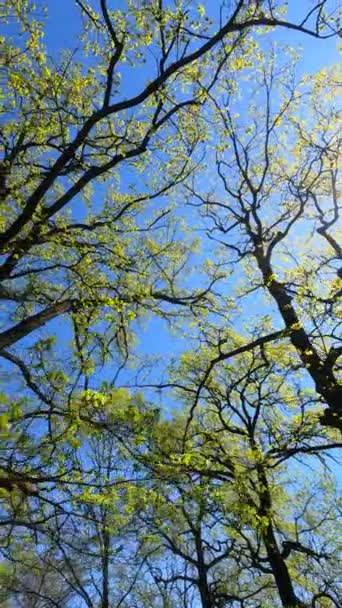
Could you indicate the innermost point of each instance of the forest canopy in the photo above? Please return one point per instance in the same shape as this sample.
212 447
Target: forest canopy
170 285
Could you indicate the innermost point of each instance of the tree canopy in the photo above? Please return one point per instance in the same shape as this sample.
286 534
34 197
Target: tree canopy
170 267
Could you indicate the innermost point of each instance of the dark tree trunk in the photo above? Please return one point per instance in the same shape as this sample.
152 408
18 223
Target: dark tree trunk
277 562
105 570
320 371
203 586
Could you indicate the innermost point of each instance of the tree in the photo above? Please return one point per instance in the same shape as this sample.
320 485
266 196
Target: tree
222 519
99 144
68 128
248 527
214 514
78 544
264 199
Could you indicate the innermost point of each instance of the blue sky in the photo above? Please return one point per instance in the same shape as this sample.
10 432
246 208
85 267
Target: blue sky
61 32
62 28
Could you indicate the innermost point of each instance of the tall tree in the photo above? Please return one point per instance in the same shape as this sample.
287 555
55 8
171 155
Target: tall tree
250 527
266 198
77 544
69 127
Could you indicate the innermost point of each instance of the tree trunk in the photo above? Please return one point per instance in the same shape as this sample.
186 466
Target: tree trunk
320 371
105 569
203 587
278 565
